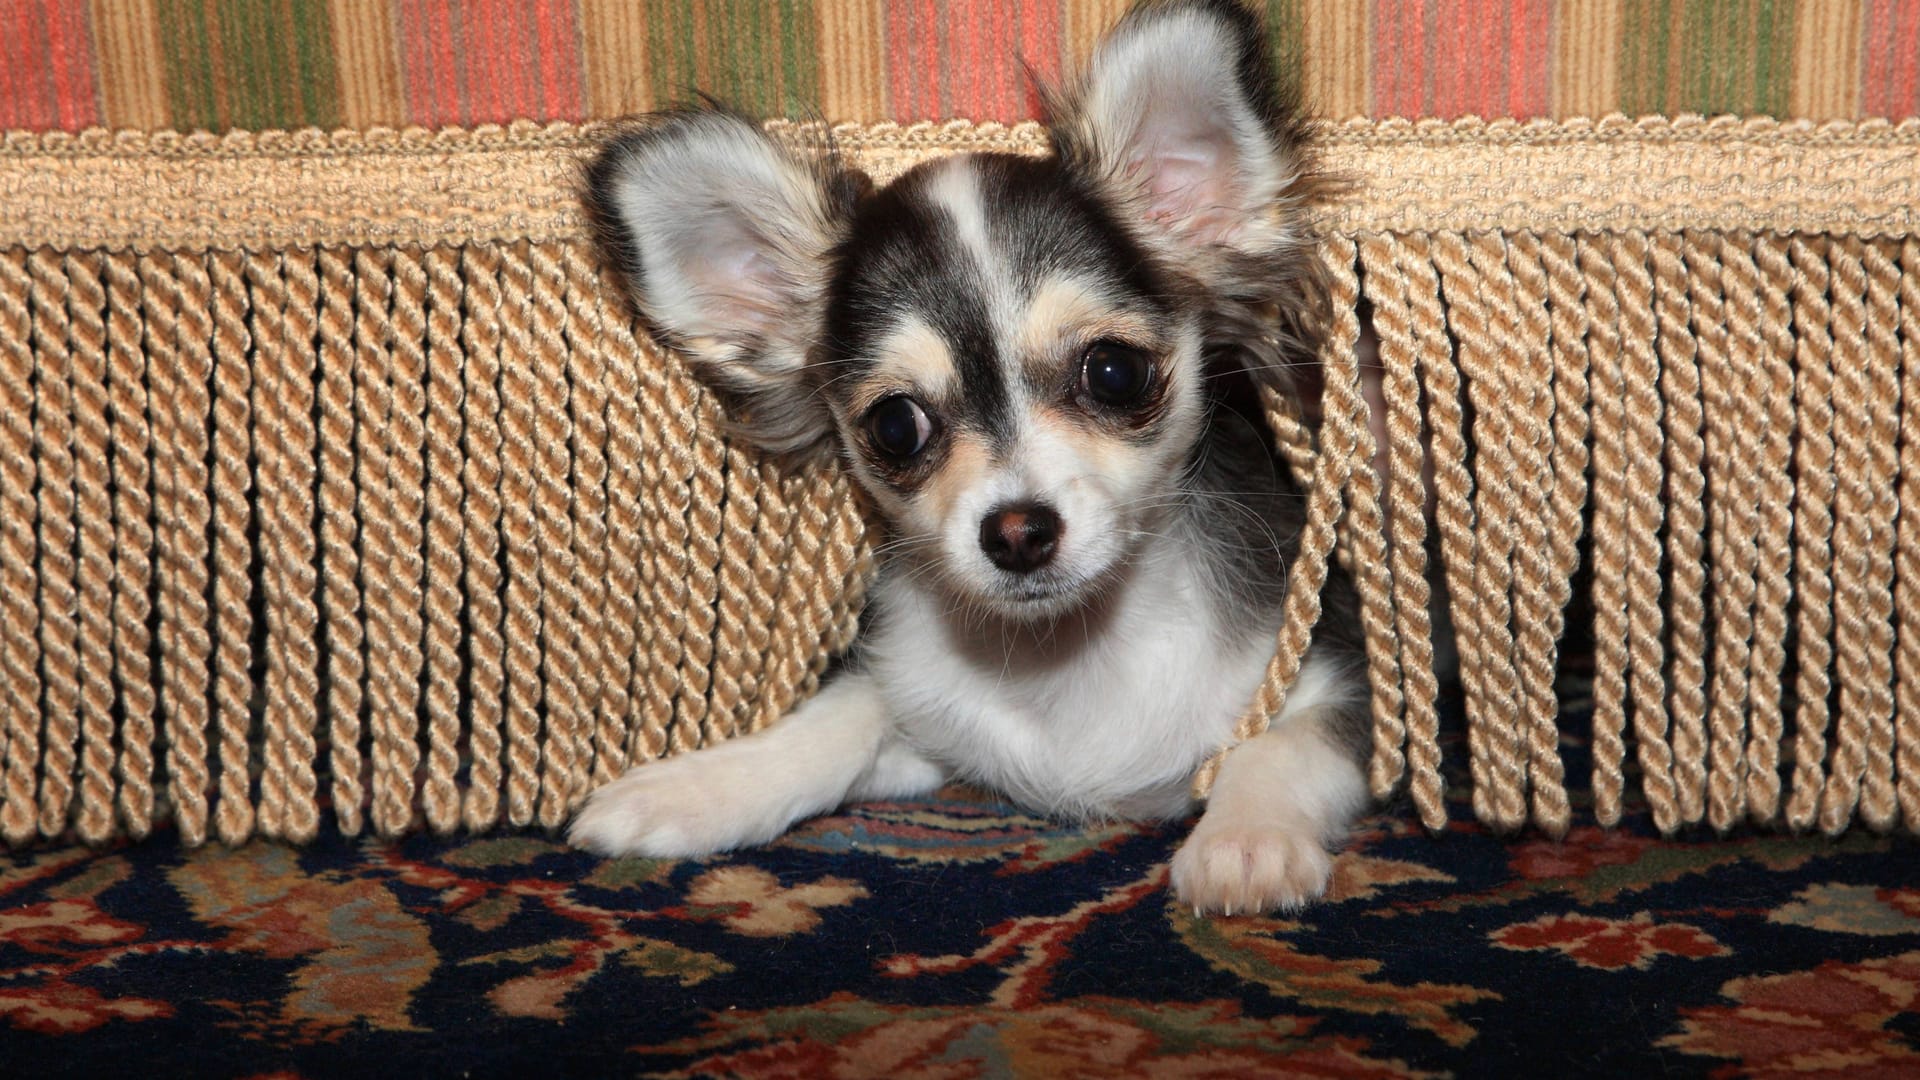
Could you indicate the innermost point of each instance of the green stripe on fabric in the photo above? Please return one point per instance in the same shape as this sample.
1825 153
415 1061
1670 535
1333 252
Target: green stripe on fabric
1730 56
761 58
254 64
1739 58
279 62
671 49
736 44
800 34
312 29
1644 45
187 49
1286 24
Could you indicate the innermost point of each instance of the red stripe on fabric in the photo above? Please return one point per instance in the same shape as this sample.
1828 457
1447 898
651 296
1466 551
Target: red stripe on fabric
1891 80
426 49
562 79
47 76
1399 57
76 92
1489 59
491 80
17 43
478 40
913 60
1042 40
1458 33
1529 52
982 70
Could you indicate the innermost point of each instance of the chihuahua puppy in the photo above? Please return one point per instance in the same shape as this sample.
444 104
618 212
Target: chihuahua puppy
1036 369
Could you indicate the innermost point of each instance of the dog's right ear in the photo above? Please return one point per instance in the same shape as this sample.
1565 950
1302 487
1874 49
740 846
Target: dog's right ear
724 236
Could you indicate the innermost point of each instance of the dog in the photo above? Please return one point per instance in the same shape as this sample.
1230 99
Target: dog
1038 370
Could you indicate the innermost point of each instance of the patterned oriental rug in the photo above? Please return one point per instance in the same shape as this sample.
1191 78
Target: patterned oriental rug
957 937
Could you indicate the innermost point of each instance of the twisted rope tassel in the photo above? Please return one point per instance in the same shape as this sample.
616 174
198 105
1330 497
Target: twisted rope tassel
19 577
86 306
1727 386
1572 424
1607 391
232 514
568 693
1546 554
480 479
522 611
133 542
1679 389
1865 398
611 644
1814 490
339 529
1365 531
1343 415
1907 594
584 366
1879 805
296 545
60 594
445 375
273 348
1400 358
1771 313
1467 279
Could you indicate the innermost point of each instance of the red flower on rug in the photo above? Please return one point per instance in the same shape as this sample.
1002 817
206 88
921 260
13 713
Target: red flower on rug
846 1036
1830 1021
1578 854
62 926
1609 944
63 1008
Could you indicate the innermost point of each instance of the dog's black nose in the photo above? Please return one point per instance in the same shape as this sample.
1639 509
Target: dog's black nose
1020 538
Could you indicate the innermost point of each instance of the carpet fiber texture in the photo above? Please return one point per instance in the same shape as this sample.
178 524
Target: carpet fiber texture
958 937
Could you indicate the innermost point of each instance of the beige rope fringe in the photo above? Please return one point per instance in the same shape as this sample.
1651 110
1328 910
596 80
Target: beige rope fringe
333 474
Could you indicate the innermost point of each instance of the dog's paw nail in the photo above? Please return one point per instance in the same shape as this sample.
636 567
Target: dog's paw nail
646 812
1250 870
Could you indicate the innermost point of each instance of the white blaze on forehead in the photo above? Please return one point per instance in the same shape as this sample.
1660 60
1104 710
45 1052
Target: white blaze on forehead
955 189
911 355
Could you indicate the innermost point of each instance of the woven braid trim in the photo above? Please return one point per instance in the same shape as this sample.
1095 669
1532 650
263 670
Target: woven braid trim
274 189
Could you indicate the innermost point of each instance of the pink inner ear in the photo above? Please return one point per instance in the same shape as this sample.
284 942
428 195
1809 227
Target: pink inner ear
739 281
1188 188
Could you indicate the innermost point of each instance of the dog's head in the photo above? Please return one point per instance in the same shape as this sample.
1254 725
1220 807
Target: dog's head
1011 353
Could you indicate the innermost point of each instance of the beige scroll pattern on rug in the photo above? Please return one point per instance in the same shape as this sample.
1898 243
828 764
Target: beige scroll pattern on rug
333 475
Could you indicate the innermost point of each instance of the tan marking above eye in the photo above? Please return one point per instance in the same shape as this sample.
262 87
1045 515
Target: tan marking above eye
911 358
1063 316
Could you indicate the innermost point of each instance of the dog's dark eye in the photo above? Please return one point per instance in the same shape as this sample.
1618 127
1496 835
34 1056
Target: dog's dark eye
899 427
1116 375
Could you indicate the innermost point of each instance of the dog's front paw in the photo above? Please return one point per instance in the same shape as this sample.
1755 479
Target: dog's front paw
663 810
1245 870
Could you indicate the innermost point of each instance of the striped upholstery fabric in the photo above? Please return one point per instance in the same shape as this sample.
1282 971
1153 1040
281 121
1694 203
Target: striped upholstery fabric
263 64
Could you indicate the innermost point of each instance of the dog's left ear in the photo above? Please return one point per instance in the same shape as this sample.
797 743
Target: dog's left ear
1180 118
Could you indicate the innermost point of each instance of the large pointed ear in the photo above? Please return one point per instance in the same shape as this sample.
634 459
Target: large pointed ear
724 237
1180 117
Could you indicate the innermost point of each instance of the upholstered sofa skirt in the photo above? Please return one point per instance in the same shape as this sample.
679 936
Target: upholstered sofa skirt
335 475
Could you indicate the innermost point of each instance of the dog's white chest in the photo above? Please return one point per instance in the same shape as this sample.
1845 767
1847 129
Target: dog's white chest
1110 724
